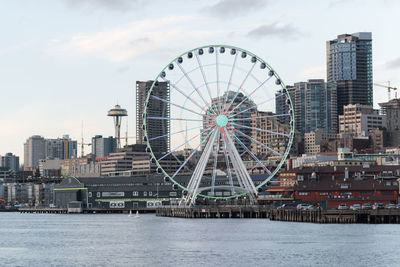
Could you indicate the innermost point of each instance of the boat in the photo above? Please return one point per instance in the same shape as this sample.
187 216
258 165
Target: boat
137 214
130 213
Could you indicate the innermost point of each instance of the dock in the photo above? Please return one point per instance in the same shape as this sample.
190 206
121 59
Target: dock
388 216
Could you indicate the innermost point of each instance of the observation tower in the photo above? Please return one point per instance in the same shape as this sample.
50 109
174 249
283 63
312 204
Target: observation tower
117 113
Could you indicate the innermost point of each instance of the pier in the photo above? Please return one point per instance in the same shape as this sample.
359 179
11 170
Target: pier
388 216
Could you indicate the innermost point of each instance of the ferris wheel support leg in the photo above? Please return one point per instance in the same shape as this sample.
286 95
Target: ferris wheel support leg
194 182
241 171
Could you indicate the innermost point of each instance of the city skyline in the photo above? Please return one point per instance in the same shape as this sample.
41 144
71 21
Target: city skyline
65 73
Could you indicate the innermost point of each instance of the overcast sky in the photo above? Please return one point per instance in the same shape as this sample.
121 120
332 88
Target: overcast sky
66 62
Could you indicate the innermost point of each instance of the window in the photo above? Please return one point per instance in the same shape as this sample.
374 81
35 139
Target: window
145 194
323 194
135 193
172 194
304 193
90 194
150 193
98 194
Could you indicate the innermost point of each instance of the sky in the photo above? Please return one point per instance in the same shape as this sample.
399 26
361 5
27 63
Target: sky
65 63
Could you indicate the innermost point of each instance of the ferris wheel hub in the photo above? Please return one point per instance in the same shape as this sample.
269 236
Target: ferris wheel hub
221 120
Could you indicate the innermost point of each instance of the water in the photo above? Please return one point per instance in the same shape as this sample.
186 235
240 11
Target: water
119 240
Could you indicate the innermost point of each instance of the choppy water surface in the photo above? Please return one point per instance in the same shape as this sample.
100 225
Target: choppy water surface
119 240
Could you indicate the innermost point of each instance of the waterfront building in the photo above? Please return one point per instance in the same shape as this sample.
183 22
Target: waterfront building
156 108
392 111
315 106
128 192
358 119
103 146
330 186
10 162
349 65
34 150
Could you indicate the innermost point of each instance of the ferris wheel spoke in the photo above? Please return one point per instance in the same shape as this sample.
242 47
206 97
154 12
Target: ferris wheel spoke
260 130
215 164
177 132
230 78
193 85
185 95
256 105
249 95
240 87
204 78
258 142
251 153
228 167
177 105
217 75
260 117
176 148
172 119
191 155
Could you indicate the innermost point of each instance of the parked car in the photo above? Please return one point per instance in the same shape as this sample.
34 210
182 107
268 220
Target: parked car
355 207
366 206
390 206
378 206
398 206
343 206
303 206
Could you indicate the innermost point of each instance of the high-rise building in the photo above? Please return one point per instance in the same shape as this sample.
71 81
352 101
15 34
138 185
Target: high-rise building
61 148
280 103
156 108
34 150
103 146
10 162
392 111
349 65
315 106
357 120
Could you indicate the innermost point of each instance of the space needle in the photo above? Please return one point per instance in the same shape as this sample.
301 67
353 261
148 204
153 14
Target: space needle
117 113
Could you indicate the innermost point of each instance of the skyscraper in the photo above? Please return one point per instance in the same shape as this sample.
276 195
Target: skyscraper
349 65
10 162
61 148
34 150
280 103
156 108
103 146
315 106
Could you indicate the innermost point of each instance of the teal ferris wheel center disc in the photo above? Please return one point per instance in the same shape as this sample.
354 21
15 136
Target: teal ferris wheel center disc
221 120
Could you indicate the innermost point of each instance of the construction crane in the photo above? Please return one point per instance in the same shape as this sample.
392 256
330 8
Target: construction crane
83 144
389 88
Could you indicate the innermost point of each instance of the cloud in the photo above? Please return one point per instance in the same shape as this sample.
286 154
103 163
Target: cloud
274 29
229 8
132 40
394 64
116 5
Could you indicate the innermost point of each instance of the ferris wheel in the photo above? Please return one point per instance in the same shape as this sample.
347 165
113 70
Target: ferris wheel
211 112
